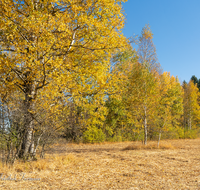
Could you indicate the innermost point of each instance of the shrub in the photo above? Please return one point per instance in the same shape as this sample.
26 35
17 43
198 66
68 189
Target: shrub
180 132
115 138
191 134
172 133
93 135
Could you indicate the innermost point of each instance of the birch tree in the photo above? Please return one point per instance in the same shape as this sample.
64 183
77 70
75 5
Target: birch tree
54 48
191 105
142 96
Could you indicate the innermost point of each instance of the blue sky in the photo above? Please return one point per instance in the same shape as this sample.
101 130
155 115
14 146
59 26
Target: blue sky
176 28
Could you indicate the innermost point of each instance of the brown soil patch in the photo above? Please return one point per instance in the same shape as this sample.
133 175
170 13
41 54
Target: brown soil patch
127 165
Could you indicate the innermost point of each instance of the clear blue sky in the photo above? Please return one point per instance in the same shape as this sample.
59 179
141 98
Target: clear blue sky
176 28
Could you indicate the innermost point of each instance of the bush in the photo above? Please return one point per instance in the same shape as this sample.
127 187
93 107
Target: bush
93 135
180 132
172 133
191 134
115 138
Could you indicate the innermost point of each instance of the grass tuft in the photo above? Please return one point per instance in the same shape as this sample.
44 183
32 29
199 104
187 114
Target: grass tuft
51 163
150 146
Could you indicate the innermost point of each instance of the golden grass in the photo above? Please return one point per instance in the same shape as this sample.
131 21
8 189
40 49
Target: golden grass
50 163
152 145
122 165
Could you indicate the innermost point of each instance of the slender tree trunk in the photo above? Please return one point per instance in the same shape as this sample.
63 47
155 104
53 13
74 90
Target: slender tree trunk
18 151
159 137
189 124
190 121
145 127
37 144
185 125
42 152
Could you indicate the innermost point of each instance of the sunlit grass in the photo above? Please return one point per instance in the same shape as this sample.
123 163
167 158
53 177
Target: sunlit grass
149 146
115 165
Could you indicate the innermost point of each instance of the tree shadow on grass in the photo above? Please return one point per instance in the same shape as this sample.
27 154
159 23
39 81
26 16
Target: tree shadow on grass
85 149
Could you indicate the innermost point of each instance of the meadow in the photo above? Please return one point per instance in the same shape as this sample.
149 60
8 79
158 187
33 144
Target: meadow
121 165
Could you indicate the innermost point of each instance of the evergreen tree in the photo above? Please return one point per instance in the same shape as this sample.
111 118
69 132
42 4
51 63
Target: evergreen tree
194 79
198 84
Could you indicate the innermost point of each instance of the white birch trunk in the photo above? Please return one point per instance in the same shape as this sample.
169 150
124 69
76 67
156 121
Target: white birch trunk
159 137
145 126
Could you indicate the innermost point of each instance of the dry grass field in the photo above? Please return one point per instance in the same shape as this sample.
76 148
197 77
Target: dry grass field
126 165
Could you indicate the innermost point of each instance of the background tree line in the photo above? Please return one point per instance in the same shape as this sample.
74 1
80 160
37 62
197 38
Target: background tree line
66 70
